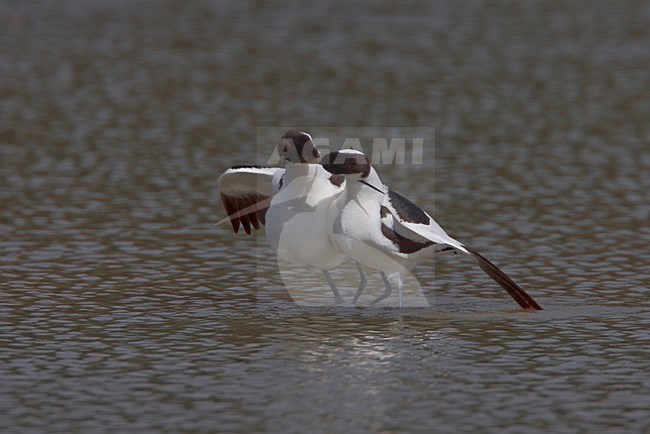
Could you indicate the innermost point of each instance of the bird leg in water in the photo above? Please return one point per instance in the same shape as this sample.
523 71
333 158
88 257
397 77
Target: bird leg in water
337 295
362 283
387 291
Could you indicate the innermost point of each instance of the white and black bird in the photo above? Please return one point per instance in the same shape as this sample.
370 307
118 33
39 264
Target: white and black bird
383 230
292 203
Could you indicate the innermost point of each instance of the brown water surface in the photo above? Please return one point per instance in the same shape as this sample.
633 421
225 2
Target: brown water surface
123 309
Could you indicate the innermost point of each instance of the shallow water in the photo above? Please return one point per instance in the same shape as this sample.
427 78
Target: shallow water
125 309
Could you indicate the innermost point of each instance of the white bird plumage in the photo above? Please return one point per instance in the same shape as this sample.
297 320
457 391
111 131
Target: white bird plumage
323 214
381 229
292 203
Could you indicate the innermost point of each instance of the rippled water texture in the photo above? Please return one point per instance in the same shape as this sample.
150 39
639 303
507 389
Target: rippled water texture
124 309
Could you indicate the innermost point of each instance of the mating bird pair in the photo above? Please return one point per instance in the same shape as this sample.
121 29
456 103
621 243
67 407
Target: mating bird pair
321 212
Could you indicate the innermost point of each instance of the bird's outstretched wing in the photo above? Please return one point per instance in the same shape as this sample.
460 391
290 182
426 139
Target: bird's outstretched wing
246 193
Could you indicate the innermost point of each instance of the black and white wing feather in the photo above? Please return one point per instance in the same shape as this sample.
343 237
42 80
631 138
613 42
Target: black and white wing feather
246 193
414 228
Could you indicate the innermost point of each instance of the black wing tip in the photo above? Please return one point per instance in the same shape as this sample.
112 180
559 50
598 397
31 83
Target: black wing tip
246 212
516 292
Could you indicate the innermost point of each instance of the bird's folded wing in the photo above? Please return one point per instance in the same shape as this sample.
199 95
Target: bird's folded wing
411 221
246 193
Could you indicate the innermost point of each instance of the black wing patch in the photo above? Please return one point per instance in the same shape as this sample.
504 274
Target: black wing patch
407 210
405 245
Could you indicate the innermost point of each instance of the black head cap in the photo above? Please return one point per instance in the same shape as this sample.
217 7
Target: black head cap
347 162
297 147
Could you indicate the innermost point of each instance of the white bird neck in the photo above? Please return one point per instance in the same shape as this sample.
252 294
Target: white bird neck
301 169
363 192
